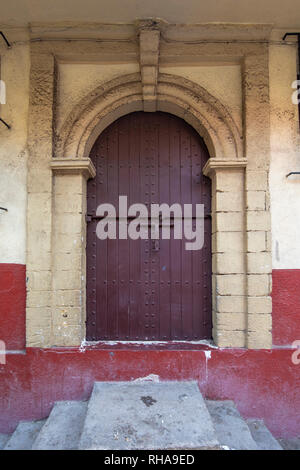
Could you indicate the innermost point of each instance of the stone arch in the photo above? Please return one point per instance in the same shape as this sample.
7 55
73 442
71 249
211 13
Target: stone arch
175 95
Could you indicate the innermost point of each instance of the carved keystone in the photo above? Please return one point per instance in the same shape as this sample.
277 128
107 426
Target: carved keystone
149 56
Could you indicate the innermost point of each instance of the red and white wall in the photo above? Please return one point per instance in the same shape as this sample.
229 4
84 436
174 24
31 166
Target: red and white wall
263 383
14 71
285 197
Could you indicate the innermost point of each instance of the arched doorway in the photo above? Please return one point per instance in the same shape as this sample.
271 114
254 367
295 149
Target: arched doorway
144 289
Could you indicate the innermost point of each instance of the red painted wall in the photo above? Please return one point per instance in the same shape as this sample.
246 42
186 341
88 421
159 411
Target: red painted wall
12 305
286 306
264 384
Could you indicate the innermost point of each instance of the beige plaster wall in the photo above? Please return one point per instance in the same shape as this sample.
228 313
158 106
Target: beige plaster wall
222 81
75 81
124 11
285 157
15 65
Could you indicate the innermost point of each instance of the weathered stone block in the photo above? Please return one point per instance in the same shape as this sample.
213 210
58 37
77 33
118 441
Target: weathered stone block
231 321
230 304
37 260
259 263
70 261
39 280
256 200
68 224
232 201
230 284
229 180
228 263
67 298
230 339
66 316
67 336
228 242
63 204
258 284
258 221
256 241
259 339
259 322
256 180
228 222
40 298
66 243
69 184
259 305
69 280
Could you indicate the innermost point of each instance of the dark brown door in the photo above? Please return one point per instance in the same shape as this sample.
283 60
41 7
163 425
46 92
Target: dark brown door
142 289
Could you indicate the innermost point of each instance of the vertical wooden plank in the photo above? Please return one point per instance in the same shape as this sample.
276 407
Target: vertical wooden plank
145 244
124 263
206 280
101 246
186 198
91 295
112 245
175 274
197 257
153 123
135 297
165 277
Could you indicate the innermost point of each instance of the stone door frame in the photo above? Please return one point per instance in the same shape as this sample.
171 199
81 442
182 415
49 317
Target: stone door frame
58 168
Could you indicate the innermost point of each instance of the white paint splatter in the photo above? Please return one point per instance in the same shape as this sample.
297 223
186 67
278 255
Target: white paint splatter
157 343
207 357
148 378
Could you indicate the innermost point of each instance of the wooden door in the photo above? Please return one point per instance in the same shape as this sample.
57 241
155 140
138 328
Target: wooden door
140 289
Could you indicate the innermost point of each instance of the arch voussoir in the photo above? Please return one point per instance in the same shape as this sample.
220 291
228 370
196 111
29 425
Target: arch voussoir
175 95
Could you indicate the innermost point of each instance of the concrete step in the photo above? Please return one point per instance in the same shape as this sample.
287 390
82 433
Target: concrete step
147 415
262 436
63 428
3 440
231 429
24 435
292 443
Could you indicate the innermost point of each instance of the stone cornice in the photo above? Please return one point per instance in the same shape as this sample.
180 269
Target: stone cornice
214 165
77 30
214 32
71 166
169 31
